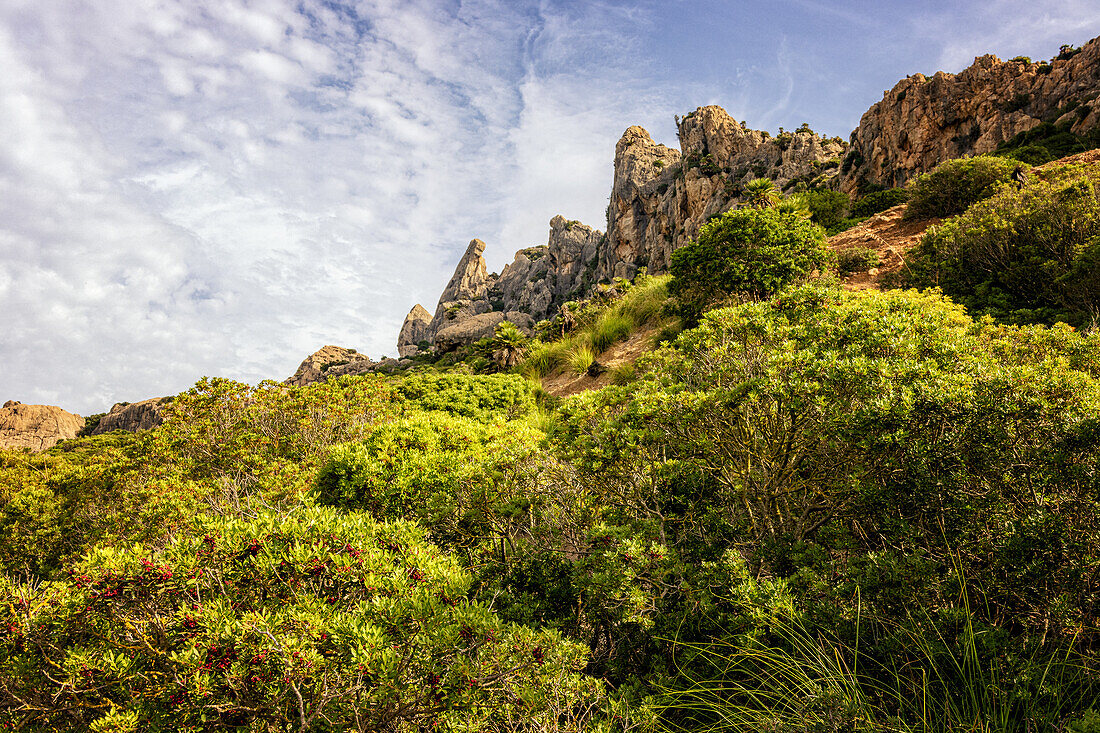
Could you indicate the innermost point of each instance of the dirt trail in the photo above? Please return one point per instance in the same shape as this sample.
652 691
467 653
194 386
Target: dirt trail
889 236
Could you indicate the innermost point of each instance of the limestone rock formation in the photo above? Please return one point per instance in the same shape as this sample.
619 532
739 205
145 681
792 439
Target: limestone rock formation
133 416
36 427
413 331
660 197
329 361
465 290
924 121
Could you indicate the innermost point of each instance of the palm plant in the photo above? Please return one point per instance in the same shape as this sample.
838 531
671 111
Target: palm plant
795 204
509 345
762 193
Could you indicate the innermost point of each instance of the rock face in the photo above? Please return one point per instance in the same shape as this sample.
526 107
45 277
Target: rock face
924 121
329 361
532 287
660 197
133 416
36 427
413 331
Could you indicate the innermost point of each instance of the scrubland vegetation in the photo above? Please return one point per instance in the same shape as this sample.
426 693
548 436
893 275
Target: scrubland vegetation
810 510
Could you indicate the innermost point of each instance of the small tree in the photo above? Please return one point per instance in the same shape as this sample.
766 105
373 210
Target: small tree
953 186
748 253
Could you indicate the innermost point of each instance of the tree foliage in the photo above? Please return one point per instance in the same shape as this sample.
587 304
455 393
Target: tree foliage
953 186
1025 255
747 253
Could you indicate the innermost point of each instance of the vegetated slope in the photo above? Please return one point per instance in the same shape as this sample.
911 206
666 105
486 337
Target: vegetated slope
888 235
1027 252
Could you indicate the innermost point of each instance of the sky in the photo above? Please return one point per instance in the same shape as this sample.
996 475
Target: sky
220 187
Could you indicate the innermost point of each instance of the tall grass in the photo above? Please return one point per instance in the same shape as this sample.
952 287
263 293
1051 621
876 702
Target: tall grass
806 680
581 358
642 305
610 327
645 302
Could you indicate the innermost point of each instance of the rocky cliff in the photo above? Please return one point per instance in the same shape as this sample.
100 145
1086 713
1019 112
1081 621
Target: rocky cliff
133 416
36 427
660 196
924 120
659 199
531 288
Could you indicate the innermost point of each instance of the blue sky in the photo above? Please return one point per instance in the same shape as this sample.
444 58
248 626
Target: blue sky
221 187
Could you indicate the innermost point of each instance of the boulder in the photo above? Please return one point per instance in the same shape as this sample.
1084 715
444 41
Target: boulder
36 427
467 331
329 361
133 416
413 331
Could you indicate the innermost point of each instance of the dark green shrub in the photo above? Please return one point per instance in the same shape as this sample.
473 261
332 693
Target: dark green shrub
878 201
1018 102
90 424
951 187
1066 52
1028 255
828 207
1048 141
857 259
749 253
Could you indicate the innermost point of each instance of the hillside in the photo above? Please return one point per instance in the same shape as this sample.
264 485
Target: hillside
714 470
661 196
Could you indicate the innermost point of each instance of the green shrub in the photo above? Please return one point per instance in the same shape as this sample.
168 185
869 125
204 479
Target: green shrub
827 207
878 201
623 373
1028 255
312 620
1048 141
484 397
444 470
856 259
953 186
90 424
748 253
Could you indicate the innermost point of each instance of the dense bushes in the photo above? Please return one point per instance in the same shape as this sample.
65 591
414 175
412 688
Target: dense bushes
304 620
747 253
818 510
488 397
446 471
1028 255
951 187
891 460
877 201
1048 141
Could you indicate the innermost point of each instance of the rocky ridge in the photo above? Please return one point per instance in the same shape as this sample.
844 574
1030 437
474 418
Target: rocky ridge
133 416
924 121
36 427
661 196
